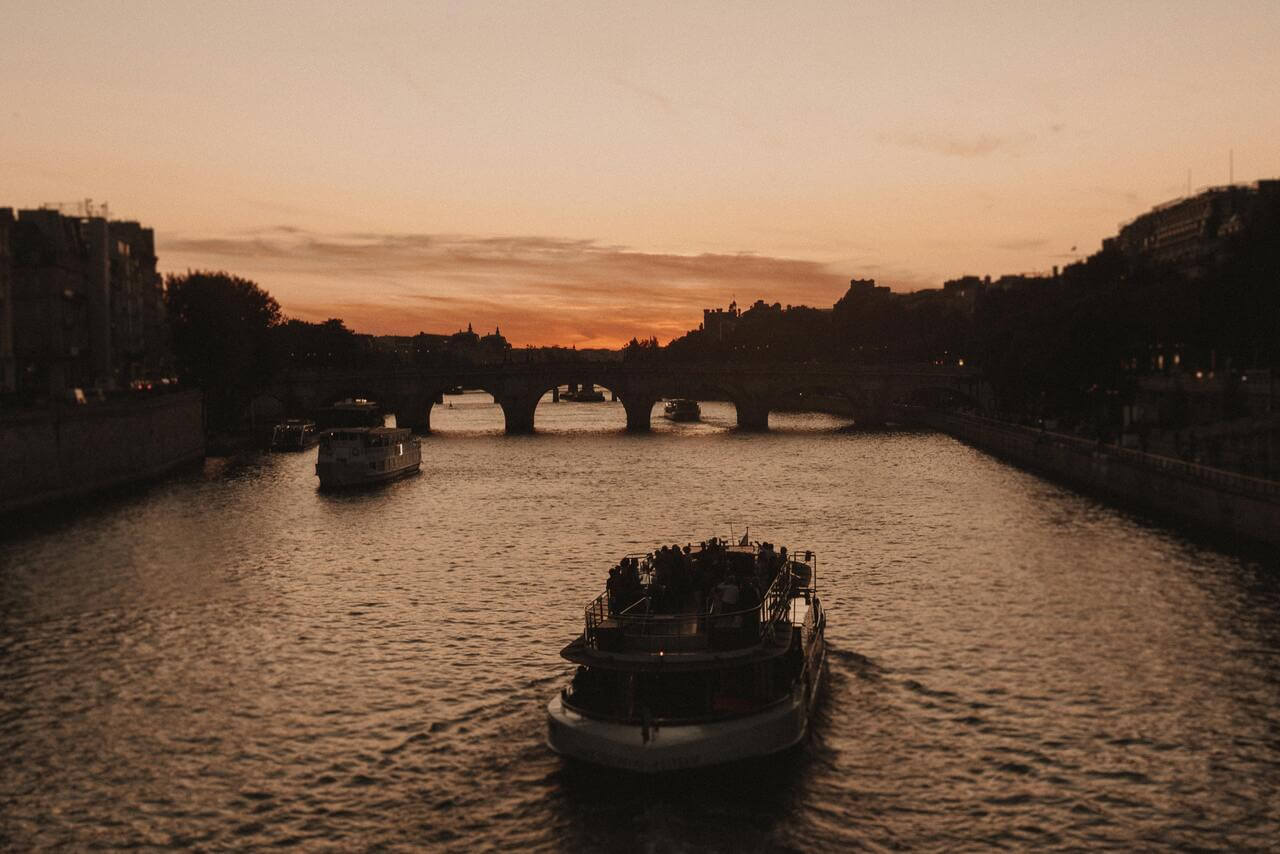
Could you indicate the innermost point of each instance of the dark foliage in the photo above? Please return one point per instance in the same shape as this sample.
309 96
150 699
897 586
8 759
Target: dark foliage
1070 345
221 338
298 344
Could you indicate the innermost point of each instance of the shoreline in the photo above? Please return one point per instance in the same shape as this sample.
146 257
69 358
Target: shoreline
68 453
1242 509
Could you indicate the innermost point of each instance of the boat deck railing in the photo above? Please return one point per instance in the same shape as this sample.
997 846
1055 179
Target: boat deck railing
639 628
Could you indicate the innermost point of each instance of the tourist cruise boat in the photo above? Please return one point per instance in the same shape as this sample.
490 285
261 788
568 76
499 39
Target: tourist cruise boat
294 434
684 663
682 409
355 456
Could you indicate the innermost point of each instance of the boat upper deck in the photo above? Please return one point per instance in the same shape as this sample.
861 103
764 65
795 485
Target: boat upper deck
369 437
696 607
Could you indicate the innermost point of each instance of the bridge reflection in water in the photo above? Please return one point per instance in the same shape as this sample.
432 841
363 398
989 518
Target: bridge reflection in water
517 385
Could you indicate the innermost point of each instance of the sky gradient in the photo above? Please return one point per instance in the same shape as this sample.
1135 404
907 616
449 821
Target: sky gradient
582 173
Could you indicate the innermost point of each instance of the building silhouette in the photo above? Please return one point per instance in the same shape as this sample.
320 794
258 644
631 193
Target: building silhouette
1187 232
720 323
81 303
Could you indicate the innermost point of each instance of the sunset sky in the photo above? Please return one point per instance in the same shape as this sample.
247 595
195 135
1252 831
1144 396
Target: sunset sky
579 173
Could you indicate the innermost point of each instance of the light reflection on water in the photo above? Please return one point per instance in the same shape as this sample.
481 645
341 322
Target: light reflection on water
234 659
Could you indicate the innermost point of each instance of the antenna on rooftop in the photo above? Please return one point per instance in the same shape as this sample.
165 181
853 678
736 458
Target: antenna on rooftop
1188 182
1231 166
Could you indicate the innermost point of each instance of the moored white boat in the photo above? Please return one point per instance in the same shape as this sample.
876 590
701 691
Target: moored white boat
675 673
355 456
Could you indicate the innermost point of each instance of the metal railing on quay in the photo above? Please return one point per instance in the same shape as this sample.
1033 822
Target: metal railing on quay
1240 483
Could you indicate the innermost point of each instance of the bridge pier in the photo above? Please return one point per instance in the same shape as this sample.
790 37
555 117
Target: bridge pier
514 383
411 409
517 411
752 415
418 422
639 409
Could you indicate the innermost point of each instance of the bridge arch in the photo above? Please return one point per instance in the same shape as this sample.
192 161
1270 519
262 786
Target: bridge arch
474 413
610 408
341 393
519 401
867 405
327 395
517 385
411 406
751 405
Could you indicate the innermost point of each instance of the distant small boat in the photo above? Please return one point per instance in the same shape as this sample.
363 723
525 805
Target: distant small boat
682 409
587 394
295 434
356 456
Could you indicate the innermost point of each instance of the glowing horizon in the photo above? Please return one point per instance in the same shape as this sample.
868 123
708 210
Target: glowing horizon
574 292
582 174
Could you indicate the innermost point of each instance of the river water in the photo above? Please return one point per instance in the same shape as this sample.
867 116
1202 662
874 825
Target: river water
232 659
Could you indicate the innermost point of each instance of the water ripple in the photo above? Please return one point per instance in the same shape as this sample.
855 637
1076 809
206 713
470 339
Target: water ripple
235 660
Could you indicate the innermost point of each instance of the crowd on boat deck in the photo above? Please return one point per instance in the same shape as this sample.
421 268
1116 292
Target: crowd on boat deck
711 579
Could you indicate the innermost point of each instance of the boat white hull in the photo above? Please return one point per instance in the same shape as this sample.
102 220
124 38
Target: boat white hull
340 475
674 748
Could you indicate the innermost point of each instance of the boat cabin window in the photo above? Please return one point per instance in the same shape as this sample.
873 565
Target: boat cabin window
379 440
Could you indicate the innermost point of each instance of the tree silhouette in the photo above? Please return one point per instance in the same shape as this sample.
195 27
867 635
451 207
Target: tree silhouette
221 326
299 344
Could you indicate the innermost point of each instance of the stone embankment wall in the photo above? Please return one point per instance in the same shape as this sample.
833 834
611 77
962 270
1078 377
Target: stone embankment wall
1212 500
73 451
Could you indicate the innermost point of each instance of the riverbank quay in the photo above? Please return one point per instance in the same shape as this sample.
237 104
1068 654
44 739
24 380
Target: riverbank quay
1217 502
72 451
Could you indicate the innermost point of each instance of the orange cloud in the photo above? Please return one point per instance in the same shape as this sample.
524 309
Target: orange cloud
539 290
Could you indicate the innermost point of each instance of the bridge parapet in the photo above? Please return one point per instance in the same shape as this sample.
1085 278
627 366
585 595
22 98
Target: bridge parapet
754 388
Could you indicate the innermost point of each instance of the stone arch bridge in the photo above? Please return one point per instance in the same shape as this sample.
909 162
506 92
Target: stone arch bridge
518 386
